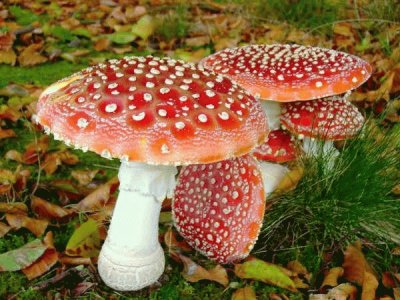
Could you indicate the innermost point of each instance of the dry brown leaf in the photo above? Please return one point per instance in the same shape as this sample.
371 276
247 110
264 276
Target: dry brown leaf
344 291
388 280
84 177
396 293
4 229
6 40
192 272
45 262
102 44
246 293
331 278
14 155
37 227
31 56
355 265
55 159
98 198
290 180
47 210
7 133
13 208
76 261
173 244
6 176
8 57
369 286
35 149
297 268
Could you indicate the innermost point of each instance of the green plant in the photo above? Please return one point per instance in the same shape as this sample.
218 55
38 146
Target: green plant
174 24
340 204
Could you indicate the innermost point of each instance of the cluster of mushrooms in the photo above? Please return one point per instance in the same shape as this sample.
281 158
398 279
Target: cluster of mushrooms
155 114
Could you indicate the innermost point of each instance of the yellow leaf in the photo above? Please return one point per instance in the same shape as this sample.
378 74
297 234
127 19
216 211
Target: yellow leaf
246 293
144 27
331 278
30 56
290 180
192 272
85 241
8 57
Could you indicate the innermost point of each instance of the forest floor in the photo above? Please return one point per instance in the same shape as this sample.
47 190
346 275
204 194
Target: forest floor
56 202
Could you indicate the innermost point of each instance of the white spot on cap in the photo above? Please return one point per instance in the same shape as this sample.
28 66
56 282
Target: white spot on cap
119 75
179 125
162 112
81 99
139 117
354 79
223 115
168 81
202 118
97 85
318 84
82 123
164 90
132 78
147 97
112 85
150 84
112 107
210 93
280 77
164 149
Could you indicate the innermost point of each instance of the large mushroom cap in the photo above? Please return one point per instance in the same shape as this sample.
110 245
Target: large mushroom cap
153 110
218 208
279 147
330 118
290 72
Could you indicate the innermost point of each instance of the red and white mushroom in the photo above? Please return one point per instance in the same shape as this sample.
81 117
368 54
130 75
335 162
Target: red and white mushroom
152 113
286 73
219 208
328 119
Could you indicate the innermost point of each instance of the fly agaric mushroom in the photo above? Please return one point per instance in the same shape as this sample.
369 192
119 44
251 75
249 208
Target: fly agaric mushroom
286 73
153 114
219 208
279 148
327 119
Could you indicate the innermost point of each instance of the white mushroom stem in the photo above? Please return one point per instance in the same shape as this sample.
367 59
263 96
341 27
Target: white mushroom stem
272 175
131 257
273 111
314 147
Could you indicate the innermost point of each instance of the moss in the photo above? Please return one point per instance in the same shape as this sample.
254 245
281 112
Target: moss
41 75
13 283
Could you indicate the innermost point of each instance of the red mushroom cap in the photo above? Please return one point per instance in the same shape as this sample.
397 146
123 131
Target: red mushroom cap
279 147
290 72
154 110
328 119
219 208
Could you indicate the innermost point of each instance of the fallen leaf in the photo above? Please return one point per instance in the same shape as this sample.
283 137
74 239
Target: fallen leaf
22 257
37 227
192 272
98 198
331 278
260 270
9 113
173 244
355 265
369 286
344 291
388 280
47 210
4 229
246 293
102 44
121 37
8 57
290 180
45 262
67 260
84 177
85 241
7 133
54 159
13 208
31 56
144 27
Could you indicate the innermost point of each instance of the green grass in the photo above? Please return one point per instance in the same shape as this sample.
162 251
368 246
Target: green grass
335 206
174 24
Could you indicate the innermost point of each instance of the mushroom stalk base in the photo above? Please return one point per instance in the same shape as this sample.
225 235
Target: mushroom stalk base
272 174
314 147
132 257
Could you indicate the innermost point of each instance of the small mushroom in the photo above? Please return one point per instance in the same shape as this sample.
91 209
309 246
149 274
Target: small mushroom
219 207
328 119
154 114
